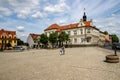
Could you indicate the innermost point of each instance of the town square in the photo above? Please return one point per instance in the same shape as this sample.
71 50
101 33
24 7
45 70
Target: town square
40 64
59 40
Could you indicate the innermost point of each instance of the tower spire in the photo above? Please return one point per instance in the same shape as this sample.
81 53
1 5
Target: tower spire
84 16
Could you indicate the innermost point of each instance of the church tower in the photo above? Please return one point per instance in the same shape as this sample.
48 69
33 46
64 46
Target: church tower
84 16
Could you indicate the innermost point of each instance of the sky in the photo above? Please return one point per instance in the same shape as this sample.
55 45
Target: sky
33 16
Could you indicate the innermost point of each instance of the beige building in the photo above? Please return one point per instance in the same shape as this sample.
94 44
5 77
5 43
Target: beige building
81 33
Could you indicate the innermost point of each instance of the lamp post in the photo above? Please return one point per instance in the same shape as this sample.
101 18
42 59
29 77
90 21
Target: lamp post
115 51
85 37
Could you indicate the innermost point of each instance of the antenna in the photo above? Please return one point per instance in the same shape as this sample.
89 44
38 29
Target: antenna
84 10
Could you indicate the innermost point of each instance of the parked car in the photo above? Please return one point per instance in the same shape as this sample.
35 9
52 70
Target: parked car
20 48
116 45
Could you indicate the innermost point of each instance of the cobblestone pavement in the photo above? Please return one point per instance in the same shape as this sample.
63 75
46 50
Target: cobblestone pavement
77 64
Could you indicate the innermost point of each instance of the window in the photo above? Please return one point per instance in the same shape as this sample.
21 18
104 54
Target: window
2 37
35 41
10 41
81 30
14 41
88 30
75 40
75 32
82 40
68 32
88 39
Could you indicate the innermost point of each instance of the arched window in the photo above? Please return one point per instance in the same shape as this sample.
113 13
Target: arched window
88 30
81 30
75 40
2 37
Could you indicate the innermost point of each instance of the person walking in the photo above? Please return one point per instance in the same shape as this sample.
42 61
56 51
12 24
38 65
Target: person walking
63 50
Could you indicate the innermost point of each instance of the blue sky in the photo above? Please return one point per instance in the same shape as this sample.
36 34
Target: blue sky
33 16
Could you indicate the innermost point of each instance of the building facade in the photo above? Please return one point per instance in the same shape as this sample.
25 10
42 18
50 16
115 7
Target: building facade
81 33
33 40
7 39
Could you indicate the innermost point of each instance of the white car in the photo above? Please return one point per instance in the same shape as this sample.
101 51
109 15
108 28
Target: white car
18 48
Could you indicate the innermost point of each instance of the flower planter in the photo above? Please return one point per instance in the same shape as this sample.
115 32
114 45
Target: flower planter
112 58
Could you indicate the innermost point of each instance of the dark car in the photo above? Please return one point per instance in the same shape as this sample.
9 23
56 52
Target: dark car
116 46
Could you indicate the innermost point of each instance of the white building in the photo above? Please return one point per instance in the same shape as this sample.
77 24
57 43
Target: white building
33 40
82 33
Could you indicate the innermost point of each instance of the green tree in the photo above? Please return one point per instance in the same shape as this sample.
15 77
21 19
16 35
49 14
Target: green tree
20 42
53 38
115 39
63 37
105 32
44 39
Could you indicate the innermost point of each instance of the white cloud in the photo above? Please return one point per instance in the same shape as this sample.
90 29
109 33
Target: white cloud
59 7
5 11
20 28
37 15
22 8
62 21
110 24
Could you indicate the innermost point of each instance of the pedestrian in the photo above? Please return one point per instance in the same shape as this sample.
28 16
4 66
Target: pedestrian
63 49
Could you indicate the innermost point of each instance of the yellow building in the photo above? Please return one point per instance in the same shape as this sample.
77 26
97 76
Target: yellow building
7 39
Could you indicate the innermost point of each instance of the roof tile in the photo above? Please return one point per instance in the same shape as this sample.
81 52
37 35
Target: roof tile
34 36
69 26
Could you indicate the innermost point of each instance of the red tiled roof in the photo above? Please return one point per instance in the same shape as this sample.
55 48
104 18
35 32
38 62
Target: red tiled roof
70 26
87 23
7 32
34 36
64 27
53 26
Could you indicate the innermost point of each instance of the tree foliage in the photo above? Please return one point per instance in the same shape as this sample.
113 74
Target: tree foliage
105 32
115 39
53 38
63 37
20 42
44 39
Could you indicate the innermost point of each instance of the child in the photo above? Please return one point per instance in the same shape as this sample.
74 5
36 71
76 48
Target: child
61 51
